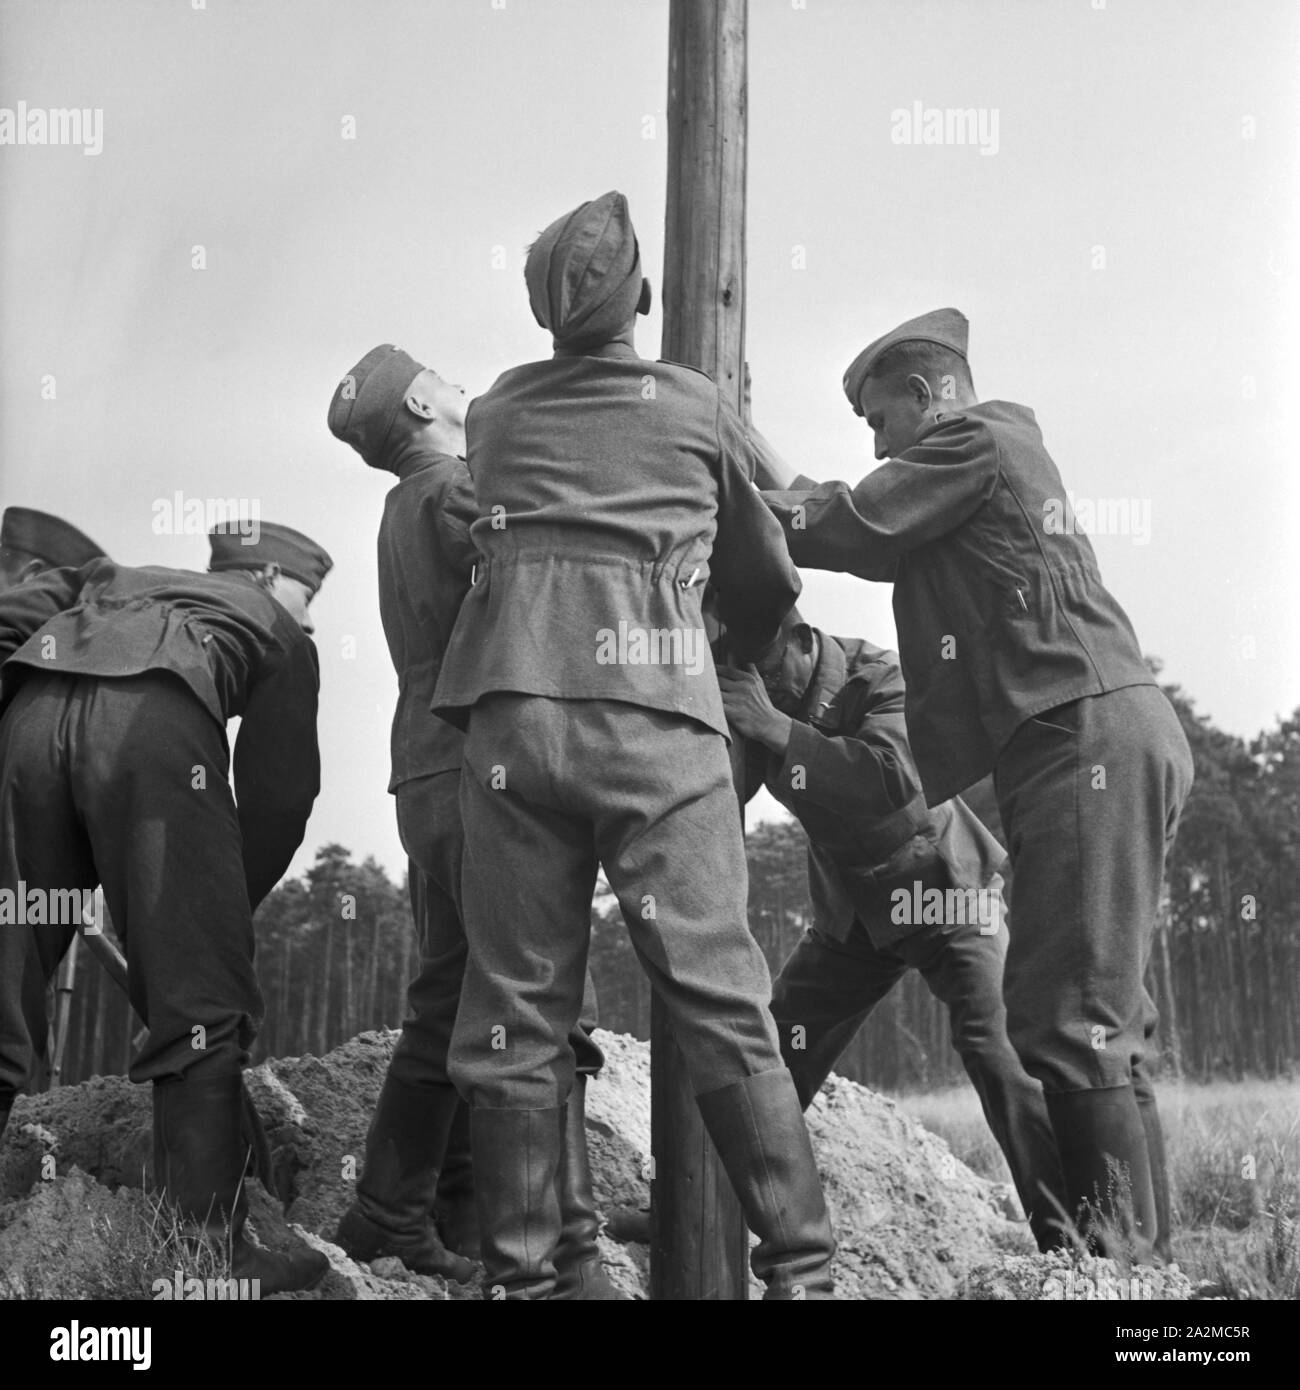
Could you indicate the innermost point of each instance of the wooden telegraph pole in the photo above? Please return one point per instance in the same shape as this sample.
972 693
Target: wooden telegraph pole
699 1244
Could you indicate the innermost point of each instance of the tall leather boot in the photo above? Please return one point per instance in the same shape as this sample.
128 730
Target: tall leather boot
199 1164
758 1130
391 1213
516 1166
454 1209
579 1272
1155 1133
1102 1142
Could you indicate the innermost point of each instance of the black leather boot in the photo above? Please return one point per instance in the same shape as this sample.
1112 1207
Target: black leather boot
579 1272
1103 1147
404 1148
516 1170
199 1162
758 1130
453 1206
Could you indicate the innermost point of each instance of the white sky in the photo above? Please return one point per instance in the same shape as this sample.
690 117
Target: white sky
1123 127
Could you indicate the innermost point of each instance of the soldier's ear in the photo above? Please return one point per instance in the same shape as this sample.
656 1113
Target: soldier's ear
643 304
804 633
919 389
421 408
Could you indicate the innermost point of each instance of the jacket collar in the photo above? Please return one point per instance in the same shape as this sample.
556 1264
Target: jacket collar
827 681
415 457
623 350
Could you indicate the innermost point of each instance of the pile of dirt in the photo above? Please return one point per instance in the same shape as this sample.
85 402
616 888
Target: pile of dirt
912 1221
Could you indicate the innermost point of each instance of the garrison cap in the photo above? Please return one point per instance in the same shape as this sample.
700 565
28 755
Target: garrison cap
366 402
947 327
297 555
47 538
584 273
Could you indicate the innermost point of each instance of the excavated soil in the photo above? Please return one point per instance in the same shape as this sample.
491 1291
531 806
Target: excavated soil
912 1222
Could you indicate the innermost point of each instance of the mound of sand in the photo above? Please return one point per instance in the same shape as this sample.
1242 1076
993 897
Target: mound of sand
75 1222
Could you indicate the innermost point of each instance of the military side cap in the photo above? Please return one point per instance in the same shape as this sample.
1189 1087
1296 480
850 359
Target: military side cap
365 403
47 538
233 548
584 272
947 327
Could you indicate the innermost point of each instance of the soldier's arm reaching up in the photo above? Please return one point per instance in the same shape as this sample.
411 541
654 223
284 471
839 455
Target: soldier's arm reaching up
756 581
925 492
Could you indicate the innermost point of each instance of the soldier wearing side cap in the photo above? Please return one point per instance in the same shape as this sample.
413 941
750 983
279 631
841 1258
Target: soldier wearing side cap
610 489
1019 661
31 542
826 736
116 688
403 418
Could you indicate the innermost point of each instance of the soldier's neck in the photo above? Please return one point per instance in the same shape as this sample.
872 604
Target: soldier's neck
428 444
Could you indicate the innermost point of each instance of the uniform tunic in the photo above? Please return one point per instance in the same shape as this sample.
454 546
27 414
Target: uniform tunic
426 558
998 617
114 768
1019 661
609 490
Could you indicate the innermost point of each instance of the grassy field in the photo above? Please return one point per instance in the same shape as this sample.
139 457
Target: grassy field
1234 1157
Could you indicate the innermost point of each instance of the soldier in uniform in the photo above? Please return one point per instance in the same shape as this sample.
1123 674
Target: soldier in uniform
1019 661
610 489
30 543
116 691
825 720
403 418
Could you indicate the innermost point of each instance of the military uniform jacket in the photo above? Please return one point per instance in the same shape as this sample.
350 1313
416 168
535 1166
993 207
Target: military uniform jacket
610 489
233 645
426 558
999 617
847 775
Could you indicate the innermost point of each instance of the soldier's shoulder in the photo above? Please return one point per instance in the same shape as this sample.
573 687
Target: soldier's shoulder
685 367
692 389
859 652
871 668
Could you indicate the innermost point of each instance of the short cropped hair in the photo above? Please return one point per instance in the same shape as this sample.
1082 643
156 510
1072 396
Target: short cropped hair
933 361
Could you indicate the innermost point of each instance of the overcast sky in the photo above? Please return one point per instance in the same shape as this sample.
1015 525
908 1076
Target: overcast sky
1122 237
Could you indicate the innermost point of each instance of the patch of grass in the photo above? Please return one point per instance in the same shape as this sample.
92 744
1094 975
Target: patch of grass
954 1114
1234 1160
119 1256
158 1249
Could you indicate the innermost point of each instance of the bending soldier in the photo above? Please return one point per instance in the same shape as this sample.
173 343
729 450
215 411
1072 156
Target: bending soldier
895 887
114 769
31 542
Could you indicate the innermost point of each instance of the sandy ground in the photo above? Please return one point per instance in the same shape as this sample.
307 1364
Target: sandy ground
912 1221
